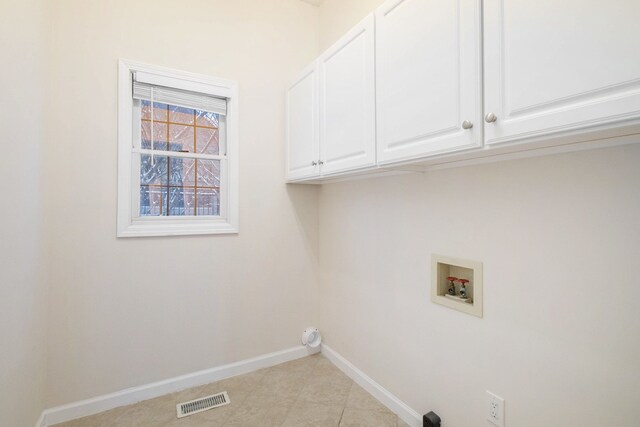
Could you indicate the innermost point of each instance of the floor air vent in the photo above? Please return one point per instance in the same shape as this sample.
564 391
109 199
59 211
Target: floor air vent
202 404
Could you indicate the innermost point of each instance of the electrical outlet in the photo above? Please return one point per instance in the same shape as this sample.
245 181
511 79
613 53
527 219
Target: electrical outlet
495 409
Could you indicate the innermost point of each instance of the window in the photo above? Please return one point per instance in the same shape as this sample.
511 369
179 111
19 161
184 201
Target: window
177 153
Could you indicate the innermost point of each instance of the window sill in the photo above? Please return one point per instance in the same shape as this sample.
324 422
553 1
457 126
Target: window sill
176 227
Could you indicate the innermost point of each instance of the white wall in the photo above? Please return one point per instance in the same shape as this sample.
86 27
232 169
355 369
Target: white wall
558 237
126 312
22 293
338 16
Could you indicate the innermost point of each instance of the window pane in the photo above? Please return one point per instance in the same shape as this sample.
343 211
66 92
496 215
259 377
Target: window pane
208 173
207 141
207 201
181 201
159 111
182 172
152 200
181 138
159 135
181 115
153 172
206 118
175 186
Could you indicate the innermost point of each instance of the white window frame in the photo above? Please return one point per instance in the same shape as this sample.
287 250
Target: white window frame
129 223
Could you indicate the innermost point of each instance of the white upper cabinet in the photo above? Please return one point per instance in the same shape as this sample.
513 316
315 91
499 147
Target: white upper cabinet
556 67
302 104
430 82
428 78
347 101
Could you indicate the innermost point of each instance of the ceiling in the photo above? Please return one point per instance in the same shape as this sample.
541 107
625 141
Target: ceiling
314 2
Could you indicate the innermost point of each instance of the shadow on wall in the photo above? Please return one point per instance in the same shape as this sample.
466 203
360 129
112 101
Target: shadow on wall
304 199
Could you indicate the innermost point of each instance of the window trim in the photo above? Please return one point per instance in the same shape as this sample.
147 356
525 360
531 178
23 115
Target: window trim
127 224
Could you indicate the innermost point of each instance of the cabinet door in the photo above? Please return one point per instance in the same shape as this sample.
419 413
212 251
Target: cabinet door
428 77
559 66
302 106
347 101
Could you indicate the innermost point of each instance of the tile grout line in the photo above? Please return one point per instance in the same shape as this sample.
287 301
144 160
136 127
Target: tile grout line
306 379
253 390
235 410
342 415
284 420
346 402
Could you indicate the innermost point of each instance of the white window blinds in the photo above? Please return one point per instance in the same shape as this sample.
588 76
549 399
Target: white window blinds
182 98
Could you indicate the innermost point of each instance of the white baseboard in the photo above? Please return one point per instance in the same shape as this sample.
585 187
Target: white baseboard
394 404
40 422
84 408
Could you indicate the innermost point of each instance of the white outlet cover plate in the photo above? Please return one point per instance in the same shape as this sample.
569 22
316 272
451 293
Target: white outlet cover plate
495 409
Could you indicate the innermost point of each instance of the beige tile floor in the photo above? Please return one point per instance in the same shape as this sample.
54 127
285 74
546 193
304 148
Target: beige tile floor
305 392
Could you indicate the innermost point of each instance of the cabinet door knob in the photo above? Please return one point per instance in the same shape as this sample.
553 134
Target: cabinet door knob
467 124
320 162
490 118
313 163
